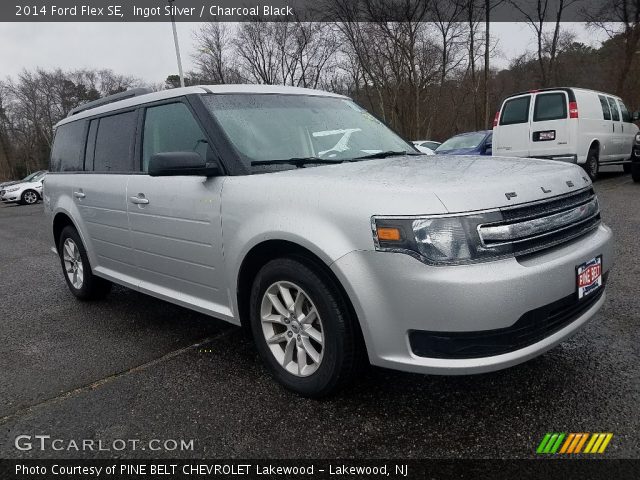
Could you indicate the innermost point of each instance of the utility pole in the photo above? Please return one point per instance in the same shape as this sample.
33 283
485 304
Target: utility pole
175 41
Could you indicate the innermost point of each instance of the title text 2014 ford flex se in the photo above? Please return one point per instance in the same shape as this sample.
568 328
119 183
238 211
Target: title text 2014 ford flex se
298 214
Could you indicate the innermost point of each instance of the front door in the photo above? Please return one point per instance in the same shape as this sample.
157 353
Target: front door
175 221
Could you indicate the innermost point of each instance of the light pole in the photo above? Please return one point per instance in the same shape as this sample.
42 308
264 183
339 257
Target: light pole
175 41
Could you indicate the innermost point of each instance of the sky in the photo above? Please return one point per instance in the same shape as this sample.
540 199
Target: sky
146 50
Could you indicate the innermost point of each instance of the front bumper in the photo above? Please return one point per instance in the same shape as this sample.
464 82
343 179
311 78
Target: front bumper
394 294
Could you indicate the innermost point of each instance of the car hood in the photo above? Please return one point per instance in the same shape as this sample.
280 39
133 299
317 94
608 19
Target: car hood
8 184
407 185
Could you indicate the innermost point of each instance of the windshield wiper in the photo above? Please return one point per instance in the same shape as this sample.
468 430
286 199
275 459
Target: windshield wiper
388 153
297 161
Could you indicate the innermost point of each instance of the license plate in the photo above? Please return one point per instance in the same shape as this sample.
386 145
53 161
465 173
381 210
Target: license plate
589 277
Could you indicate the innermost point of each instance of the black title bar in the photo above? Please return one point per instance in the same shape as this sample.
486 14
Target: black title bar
315 10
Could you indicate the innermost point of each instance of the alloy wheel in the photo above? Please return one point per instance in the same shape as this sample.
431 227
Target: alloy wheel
73 263
292 328
30 198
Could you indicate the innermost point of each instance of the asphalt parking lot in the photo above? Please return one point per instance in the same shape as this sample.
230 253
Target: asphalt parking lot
133 367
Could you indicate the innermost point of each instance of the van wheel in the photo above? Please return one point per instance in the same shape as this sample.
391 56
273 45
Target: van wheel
302 328
29 197
592 165
77 271
626 167
635 172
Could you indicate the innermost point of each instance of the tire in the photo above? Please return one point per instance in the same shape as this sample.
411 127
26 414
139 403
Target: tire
76 268
626 167
635 172
29 197
332 348
592 165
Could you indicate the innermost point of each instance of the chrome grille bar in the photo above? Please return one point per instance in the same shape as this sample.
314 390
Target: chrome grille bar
538 227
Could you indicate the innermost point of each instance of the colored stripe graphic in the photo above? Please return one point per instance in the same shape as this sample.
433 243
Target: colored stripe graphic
572 443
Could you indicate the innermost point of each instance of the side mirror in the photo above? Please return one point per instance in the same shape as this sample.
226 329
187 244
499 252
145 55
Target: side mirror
169 164
635 116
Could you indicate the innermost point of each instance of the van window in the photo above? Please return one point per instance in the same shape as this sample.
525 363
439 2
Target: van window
614 109
171 128
606 112
114 143
515 111
550 106
626 116
66 153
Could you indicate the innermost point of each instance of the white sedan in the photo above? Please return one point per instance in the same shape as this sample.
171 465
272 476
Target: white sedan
27 192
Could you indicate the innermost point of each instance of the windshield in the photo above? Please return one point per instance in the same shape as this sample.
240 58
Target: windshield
471 140
31 177
272 127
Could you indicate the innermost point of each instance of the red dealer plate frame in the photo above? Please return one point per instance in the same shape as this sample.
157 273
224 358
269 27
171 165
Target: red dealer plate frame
589 277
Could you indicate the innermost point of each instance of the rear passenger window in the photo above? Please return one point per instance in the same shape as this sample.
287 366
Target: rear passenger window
68 146
549 106
615 116
515 111
171 128
606 112
626 116
114 143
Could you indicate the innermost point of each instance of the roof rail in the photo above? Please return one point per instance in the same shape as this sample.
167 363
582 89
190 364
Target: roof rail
134 92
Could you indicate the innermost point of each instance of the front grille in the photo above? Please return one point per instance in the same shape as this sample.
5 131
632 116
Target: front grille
531 328
534 227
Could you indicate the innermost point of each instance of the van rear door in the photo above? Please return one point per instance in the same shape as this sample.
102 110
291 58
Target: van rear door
550 125
511 135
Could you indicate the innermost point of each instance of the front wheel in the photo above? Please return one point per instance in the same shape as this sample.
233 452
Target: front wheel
77 271
29 197
303 329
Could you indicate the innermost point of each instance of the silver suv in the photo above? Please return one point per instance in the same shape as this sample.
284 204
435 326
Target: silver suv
299 215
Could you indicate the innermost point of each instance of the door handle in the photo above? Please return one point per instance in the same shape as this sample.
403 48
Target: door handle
79 194
139 200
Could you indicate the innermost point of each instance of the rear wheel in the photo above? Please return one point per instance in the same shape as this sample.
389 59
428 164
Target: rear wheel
302 328
77 271
592 165
29 197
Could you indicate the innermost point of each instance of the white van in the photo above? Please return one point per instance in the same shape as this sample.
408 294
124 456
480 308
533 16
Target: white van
569 124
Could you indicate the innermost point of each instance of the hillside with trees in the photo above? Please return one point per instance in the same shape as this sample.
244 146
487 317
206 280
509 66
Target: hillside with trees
425 79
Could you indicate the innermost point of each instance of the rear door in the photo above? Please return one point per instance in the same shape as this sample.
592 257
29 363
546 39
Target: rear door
605 134
550 125
629 130
100 194
617 133
511 137
176 221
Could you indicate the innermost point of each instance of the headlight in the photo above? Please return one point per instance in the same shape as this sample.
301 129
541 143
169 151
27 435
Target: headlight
438 240
12 189
637 137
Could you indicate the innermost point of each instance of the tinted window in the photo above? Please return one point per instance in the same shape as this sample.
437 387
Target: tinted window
114 143
515 111
66 154
606 112
626 116
614 109
171 128
550 106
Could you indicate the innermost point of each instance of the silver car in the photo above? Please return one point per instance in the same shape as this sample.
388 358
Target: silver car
299 215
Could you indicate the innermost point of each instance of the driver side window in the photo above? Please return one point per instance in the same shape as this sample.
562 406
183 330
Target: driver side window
171 128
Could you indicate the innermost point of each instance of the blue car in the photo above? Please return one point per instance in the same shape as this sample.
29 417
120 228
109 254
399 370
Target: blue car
471 143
